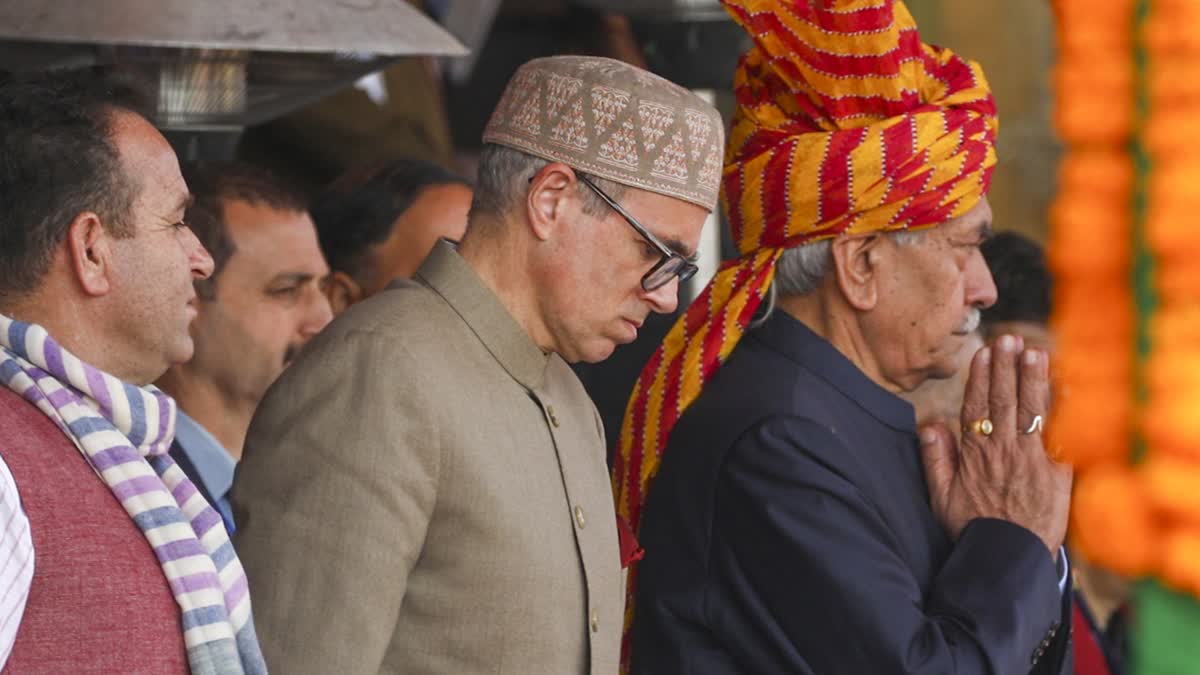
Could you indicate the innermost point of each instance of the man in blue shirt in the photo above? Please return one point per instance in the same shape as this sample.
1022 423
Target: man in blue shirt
262 303
206 462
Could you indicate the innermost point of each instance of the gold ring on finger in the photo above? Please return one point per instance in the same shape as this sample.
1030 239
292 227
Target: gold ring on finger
1036 426
982 426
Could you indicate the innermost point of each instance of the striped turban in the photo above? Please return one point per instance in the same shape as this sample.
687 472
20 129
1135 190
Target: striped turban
846 123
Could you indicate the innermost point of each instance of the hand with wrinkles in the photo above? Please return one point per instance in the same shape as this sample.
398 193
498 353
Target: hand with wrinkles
1005 474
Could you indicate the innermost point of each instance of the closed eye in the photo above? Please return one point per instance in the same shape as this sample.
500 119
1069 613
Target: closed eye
290 286
285 292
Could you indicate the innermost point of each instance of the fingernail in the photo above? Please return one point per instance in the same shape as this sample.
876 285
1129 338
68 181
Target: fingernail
1031 357
928 437
1005 343
985 355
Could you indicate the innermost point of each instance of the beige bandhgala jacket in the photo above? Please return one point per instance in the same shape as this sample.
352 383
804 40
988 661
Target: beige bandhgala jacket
425 491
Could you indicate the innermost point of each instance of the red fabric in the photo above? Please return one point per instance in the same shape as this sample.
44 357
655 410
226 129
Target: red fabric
99 602
1089 657
631 551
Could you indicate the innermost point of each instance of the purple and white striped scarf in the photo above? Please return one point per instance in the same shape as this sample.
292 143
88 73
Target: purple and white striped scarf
124 432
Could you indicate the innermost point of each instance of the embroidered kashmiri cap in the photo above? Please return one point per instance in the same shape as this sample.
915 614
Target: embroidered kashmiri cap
614 121
846 123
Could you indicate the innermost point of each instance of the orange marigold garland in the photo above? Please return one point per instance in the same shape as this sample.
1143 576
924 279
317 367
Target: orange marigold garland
1170 420
1126 305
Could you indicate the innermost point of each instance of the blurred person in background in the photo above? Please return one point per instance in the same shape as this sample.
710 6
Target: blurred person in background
377 224
264 300
1022 307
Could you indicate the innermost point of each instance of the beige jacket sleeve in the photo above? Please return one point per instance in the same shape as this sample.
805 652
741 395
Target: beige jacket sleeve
333 498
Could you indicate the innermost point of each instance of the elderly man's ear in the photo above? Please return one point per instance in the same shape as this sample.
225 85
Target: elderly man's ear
856 264
89 253
342 291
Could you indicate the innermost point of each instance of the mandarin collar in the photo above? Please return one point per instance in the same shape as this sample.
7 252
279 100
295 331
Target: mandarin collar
788 336
448 274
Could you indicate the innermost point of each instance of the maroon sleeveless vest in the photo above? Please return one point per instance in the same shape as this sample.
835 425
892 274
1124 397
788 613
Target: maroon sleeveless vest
99 602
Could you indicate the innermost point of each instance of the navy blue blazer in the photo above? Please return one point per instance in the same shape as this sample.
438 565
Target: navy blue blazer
789 531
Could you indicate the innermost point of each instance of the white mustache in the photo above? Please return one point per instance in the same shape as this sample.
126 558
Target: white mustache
971 323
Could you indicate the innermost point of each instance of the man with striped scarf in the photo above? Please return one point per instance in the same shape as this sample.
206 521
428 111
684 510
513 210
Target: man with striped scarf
110 560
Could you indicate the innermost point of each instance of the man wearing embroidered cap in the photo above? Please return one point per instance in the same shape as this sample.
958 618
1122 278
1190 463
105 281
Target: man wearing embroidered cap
796 523
425 489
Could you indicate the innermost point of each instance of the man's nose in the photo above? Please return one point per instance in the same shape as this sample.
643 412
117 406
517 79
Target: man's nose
665 298
318 314
980 287
198 258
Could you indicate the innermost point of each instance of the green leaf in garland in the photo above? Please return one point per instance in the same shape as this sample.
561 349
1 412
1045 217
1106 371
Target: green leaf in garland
1166 632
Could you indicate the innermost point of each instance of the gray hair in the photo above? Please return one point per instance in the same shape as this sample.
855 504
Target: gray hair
802 269
503 181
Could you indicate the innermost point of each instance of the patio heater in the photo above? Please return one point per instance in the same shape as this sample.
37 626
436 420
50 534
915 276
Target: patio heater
214 67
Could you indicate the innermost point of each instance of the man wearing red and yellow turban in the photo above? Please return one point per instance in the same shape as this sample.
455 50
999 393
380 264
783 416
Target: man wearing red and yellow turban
792 520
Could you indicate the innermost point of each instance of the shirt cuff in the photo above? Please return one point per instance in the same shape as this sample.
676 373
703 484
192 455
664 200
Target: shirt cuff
1064 575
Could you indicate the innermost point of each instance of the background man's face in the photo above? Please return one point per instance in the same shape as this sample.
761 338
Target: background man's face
439 211
268 303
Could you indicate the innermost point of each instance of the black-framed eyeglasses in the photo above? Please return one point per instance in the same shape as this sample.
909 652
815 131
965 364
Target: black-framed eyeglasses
671 265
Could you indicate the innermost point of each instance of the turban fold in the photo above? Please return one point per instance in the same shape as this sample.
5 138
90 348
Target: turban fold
846 123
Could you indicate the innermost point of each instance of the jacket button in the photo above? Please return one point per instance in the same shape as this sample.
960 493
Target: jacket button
595 621
579 519
550 414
